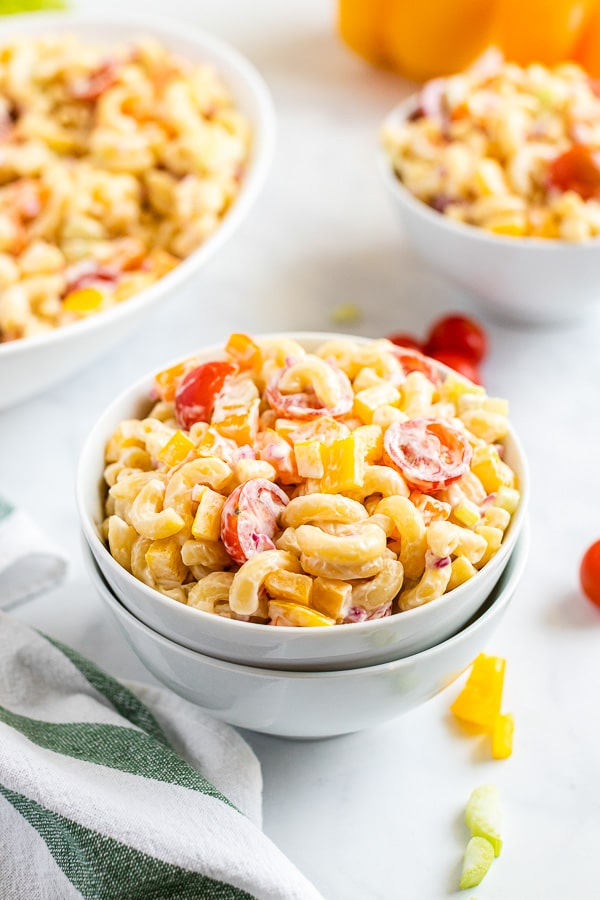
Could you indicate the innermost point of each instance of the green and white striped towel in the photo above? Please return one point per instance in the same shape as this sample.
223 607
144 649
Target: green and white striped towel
29 561
125 792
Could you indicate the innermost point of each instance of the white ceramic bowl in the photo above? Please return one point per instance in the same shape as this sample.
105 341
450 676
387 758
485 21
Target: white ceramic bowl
311 704
34 364
528 280
338 647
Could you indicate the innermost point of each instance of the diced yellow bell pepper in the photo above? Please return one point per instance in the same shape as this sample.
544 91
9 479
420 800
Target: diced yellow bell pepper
461 571
512 224
286 427
283 613
324 430
479 701
332 597
176 449
502 736
290 586
84 301
370 399
240 425
161 262
490 469
493 536
454 386
164 560
370 439
308 459
343 465
166 381
242 349
207 521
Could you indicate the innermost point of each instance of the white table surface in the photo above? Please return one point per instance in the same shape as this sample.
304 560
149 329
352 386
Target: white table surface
374 815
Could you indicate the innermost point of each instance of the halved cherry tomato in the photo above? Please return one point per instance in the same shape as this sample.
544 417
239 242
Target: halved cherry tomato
414 361
249 518
458 335
306 405
430 453
589 573
405 340
460 364
577 169
87 279
196 392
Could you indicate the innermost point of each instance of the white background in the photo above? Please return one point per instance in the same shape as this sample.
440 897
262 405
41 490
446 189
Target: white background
379 814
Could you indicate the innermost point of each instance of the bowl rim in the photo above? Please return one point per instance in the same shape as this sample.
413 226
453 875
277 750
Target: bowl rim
399 114
512 573
261 155
140 389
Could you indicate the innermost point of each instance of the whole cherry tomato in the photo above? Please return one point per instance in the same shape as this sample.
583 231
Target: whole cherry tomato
405 340
577 169
430 453
197 391
460 364
457 334
589 573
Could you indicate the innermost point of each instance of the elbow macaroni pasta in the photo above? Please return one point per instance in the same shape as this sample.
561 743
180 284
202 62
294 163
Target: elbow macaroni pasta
238 529
117 163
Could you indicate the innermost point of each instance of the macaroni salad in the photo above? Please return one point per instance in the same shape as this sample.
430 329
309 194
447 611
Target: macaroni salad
285 487
513 150
115 164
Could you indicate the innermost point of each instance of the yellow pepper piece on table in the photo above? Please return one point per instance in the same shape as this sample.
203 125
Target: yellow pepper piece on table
479 701
502 736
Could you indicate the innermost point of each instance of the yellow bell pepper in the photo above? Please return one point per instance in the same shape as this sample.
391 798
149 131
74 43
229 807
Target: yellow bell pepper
166 381
439 37
420 40
502 736
479 701
176 449
84 301
241 349
538 31
343 466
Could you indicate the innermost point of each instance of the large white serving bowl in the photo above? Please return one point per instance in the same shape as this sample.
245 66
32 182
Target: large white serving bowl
528 280
338 647
311 704
33 364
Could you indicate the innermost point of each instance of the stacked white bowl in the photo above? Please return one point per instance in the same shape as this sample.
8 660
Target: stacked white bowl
296 682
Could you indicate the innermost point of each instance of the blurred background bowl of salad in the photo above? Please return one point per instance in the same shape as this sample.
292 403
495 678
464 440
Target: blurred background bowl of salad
522 279
313 704
32 364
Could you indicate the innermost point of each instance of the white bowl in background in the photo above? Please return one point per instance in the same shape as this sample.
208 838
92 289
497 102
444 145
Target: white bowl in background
311 704
338 647
33 364
522 279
